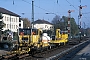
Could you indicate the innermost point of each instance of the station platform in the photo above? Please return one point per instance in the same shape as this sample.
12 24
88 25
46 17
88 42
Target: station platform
84 54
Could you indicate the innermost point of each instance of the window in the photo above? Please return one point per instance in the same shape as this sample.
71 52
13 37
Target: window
45 26
7 19
16 19
35 31
19 20
12 19
19 25
14 26
7 25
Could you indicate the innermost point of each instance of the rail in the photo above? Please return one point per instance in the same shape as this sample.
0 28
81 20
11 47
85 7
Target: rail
67 51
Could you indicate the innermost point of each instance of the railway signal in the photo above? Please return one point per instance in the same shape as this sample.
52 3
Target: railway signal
79 21
80 14
69 24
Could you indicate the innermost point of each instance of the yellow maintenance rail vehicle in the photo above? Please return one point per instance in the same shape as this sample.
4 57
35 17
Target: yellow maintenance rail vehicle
60 38
27 40
30 40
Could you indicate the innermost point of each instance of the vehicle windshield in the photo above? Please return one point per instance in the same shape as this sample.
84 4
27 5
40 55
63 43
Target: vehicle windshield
28 31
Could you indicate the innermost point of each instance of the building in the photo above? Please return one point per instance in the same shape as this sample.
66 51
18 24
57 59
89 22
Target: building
20 23
10 19
43 24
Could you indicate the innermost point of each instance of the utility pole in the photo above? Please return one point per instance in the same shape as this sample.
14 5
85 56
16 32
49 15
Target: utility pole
32 13
69 23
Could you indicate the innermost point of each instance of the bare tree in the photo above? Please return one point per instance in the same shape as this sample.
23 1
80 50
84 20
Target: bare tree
26 23
58 22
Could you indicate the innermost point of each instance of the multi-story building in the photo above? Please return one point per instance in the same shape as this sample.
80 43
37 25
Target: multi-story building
43 24
20 23
10 19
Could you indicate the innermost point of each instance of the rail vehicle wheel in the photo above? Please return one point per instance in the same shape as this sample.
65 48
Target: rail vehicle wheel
61 44
50 47
32 52
6 46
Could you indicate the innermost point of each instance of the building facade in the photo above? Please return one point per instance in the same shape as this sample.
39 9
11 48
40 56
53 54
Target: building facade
10 19
20 23
43 24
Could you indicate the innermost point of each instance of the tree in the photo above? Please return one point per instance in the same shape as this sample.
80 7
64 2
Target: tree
1 16
88 31
74 26
62 23
57 22
2 24
26 23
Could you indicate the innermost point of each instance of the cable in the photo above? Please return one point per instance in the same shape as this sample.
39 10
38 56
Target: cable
71 5
86 13
36 6
77 9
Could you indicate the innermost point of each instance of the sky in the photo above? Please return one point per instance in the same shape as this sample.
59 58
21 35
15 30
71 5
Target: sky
59 7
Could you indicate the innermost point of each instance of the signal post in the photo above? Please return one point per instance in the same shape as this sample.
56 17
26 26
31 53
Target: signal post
79 22
69 23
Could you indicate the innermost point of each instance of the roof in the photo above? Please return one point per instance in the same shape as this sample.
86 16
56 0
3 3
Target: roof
41 22
5 11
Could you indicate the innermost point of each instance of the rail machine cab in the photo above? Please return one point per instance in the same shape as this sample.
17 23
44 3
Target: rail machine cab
59 38
29 38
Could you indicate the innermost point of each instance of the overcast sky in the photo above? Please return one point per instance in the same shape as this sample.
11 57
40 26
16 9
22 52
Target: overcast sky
59 7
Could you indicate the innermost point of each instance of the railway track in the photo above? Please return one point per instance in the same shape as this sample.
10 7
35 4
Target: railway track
40 55
69 53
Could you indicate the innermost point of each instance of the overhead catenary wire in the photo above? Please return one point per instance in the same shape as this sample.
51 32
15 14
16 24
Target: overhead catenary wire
37 6
77 9
47 10
71 5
